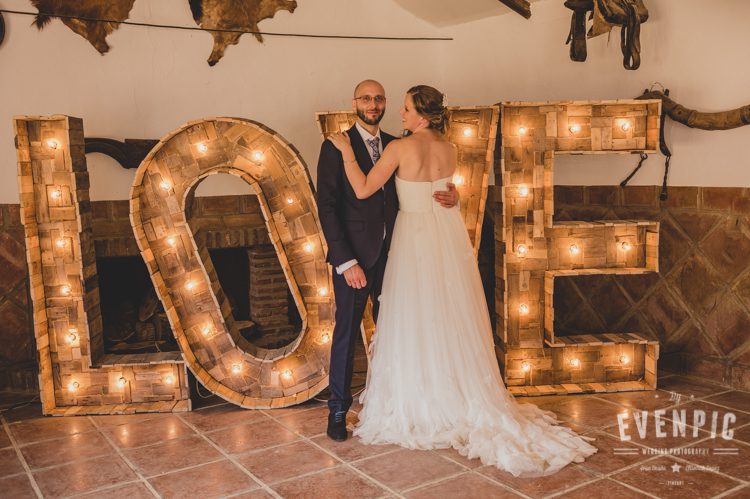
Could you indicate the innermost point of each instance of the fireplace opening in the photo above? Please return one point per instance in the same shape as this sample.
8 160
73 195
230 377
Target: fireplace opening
133 317
262 305
263 308
225 216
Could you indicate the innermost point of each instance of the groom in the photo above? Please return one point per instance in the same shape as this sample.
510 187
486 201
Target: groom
358 233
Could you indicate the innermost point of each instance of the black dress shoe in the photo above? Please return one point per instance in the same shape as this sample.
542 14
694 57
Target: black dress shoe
337 426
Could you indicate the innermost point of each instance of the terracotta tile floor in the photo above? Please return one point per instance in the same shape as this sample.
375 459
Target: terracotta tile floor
223 451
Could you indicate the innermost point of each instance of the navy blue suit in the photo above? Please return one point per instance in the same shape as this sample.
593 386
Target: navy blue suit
354 229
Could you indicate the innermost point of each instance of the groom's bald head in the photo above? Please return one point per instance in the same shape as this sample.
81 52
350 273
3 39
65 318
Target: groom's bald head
367 84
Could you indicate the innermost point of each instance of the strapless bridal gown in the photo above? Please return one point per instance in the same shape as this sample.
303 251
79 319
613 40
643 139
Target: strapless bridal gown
434 380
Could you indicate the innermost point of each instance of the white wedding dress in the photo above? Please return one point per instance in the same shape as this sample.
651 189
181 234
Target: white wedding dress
434 380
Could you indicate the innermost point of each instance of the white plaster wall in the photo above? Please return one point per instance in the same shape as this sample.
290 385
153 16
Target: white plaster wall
699 49
153 80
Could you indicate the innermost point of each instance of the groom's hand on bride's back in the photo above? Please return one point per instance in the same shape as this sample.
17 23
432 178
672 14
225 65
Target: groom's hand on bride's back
355 277
449 198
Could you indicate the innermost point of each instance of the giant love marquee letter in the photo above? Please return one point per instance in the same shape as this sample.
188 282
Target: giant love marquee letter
187 284
535 360
75 375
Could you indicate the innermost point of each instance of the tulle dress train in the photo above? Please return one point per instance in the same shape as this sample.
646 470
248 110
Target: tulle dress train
434 380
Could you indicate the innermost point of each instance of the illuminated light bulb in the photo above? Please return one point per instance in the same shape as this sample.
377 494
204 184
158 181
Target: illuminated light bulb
61 243
73 386
52 143
190 285
309 247
56 194
625 126
71 337
202 147
458 180
523 191
522 250
236 368
287 374
522 130
323 291
575 362
206 330
468 132
525 366
523 309
122 382
165 185
290 200
574 249
172 241
574 128
169 379
325 337
257 156
624 359
626 246
66 290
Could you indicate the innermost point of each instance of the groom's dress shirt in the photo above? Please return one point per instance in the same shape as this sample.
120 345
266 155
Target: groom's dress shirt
366 136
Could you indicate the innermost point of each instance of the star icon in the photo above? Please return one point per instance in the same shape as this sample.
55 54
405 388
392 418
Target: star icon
676 468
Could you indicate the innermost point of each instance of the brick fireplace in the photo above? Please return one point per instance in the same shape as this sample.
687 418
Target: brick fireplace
233 230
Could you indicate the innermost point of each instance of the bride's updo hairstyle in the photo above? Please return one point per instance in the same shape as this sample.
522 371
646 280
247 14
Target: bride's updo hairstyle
428 102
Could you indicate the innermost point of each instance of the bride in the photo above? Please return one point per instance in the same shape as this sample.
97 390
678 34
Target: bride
434 380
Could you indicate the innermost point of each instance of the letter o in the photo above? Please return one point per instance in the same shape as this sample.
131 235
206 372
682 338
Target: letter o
187 284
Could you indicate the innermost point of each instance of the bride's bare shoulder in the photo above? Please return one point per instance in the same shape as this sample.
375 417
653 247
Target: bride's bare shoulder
395 145
404 143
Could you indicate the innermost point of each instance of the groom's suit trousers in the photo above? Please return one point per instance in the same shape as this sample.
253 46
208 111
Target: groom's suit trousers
350 306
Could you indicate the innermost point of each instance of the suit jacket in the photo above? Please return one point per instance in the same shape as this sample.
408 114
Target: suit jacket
353 227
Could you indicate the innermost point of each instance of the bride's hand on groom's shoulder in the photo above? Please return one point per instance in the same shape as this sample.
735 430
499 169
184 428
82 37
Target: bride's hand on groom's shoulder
341 141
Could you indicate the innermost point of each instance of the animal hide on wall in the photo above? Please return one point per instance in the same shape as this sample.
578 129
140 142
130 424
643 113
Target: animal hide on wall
522 7
240 15
93 31
234 15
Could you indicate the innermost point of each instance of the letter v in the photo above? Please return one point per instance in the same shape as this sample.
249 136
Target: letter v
641 422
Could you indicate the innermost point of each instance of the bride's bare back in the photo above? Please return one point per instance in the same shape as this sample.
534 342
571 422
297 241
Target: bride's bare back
425 156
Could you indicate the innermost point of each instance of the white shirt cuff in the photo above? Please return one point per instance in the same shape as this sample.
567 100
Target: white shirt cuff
346 266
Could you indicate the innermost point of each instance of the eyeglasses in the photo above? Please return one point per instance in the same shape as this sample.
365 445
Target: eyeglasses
367 99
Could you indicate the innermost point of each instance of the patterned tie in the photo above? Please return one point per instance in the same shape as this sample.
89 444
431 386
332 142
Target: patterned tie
374 143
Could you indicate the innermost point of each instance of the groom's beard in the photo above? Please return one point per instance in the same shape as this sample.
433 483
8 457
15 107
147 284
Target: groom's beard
370 121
